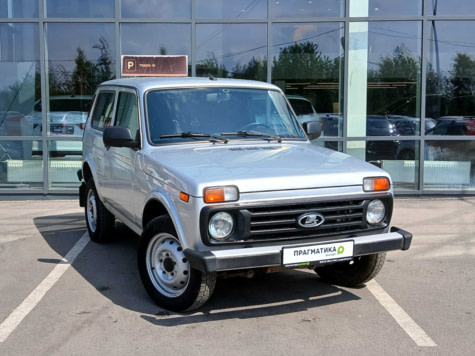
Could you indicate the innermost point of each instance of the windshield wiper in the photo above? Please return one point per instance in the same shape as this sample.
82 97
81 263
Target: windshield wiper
188 134
253 134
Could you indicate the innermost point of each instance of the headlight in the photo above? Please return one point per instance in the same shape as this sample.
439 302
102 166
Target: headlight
376 212
221 226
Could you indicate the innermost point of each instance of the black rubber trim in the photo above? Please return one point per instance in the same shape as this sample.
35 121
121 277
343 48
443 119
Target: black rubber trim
206 261
407 236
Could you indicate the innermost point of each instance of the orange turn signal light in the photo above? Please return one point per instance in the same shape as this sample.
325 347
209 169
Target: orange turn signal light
376 184
184 197
214 195
220 194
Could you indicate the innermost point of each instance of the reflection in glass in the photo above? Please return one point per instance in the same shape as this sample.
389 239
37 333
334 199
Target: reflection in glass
15 150
394 69
333 145
20 80
404 171
18 168
141 39
449 164
80 67
159 9
62 169
230 113
451 71
80 8
307 9
14 123
232 50
236 9
332 125
394 8
307 64
452 7
376 150
450 100
18 9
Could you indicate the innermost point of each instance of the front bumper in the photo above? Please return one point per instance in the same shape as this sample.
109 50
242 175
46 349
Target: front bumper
268 256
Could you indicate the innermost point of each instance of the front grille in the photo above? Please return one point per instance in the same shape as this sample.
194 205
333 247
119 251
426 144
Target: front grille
280 222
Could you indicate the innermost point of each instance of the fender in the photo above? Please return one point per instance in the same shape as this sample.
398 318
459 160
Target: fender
166 198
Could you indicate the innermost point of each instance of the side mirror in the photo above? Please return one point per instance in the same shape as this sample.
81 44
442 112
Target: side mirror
313 129
117 136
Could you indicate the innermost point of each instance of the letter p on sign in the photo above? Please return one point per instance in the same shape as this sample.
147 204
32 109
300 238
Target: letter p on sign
130 64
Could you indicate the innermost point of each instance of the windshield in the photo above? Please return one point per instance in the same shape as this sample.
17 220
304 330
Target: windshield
211 113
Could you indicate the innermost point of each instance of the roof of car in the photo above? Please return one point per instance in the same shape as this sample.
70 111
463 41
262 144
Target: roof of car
146 83
297 97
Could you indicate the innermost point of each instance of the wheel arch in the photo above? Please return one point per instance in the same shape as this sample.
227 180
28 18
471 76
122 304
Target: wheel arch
153 209
162 205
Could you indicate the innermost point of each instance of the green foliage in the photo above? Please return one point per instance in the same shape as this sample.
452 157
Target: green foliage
396 80
211 66
86 75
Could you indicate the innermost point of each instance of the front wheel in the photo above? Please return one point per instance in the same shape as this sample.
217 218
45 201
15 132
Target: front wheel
165 271
354 273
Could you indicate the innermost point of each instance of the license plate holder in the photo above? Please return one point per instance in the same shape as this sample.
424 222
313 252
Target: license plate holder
318 253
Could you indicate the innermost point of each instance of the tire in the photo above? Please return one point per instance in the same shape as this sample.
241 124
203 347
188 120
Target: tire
354 273
100 222
166 273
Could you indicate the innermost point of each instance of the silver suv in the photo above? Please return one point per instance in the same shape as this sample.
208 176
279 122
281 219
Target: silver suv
218 176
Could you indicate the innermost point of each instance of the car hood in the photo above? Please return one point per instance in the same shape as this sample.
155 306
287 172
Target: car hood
255 167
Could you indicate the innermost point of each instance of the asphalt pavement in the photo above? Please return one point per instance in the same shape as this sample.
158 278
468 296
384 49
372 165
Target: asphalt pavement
61 294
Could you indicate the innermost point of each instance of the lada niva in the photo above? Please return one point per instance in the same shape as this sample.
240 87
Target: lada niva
219 176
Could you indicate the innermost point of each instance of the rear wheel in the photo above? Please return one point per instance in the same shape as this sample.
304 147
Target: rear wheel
353 273
165 271
100 222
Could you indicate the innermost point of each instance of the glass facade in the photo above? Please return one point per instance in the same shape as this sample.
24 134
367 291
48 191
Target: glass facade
393 83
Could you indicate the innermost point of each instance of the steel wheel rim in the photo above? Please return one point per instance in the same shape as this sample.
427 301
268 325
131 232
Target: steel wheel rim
167 265
91 211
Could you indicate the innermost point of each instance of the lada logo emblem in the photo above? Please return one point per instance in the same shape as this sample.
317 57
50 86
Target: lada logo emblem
310 220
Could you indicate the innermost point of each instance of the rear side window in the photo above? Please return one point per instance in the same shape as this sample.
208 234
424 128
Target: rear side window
102 114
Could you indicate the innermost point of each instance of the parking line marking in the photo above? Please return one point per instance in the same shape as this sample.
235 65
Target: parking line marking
30 302
401 317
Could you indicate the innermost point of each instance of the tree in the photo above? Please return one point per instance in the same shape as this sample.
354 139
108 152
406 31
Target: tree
299 61
256 69
304 62
104 63
460 86
211 66
83 77
399 74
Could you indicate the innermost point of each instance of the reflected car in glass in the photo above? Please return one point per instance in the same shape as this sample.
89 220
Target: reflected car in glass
409 126
303 108
452 150
379 125
66 119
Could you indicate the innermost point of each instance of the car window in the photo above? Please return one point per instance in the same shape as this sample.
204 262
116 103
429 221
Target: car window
127 112
102 114
217 111
456 130
301 107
